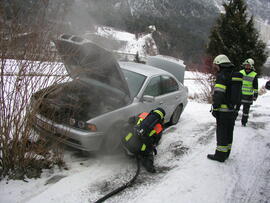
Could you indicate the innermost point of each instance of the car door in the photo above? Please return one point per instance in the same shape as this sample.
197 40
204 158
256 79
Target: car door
156 88
170 93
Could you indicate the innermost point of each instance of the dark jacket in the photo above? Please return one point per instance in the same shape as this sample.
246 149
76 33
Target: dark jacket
145 135
222 88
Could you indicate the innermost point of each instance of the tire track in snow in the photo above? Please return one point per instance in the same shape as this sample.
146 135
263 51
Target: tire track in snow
203 135
251 171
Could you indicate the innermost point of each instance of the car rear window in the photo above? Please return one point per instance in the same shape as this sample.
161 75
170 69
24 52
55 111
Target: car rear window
135 81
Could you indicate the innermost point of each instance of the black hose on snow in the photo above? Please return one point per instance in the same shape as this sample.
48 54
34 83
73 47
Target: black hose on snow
128 184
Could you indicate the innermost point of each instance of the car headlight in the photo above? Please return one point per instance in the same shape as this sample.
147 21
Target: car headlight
91 127
81 124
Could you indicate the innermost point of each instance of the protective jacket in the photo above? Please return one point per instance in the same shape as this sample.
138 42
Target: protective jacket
146 134
223 91
249 87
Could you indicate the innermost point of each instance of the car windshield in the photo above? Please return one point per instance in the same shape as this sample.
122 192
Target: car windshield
134 80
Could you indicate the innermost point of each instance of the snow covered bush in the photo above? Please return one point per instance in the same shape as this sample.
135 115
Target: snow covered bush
27 63
21 151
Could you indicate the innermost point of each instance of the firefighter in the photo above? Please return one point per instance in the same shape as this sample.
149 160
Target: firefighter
223 108
249 89
143 138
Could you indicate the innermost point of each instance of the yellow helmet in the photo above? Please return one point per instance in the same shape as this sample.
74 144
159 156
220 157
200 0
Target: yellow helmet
221 59
249 61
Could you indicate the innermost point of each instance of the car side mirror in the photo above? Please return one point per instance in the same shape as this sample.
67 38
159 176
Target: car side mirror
148 98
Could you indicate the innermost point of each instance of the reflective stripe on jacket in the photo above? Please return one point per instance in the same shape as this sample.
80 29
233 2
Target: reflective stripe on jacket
223 108
220 88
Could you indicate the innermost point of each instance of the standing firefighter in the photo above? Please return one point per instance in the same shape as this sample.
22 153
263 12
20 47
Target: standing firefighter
145 136
227 93
249 89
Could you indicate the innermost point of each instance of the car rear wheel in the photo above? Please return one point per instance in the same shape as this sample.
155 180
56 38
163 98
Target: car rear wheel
176 115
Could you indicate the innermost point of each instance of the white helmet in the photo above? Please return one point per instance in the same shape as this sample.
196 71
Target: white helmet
221 59
249 61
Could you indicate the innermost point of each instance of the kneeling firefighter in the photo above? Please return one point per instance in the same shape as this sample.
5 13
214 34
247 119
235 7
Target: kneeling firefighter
143 138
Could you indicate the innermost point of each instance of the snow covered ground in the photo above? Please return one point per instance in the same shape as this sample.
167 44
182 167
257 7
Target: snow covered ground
184 174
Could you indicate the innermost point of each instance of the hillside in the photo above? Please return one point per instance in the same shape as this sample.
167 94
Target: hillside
182 26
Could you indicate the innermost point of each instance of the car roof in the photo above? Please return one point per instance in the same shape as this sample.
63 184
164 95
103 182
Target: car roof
142 69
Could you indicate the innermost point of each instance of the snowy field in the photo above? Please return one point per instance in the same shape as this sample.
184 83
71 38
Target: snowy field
184 174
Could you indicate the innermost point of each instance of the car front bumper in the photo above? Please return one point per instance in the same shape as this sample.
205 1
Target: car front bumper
79 139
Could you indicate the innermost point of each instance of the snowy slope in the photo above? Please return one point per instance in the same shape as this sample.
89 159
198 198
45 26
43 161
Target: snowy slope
133 45
124 43
184 172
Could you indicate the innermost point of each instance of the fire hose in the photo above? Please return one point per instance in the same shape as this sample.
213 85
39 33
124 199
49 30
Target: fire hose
126 185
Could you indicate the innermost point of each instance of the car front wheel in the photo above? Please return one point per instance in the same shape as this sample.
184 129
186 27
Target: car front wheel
112 141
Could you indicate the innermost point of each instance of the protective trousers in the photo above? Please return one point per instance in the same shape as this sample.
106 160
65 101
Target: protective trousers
246 107
224 132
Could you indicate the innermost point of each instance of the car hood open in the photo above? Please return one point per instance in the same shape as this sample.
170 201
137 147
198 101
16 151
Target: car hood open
93 65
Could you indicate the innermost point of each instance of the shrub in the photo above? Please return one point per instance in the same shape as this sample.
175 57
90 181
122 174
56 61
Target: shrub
28 63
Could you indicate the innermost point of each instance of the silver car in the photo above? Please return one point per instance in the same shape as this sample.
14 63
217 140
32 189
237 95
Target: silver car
90 112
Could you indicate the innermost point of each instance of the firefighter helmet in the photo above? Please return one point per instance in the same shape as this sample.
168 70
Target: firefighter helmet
221 59
249 61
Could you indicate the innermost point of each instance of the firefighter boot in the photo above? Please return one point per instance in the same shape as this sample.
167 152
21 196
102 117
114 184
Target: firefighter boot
228 154
148 163
218 156
244 120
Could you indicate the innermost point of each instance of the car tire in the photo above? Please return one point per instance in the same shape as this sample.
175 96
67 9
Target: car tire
112 141
176 115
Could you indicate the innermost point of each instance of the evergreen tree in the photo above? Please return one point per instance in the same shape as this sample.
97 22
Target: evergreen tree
235 36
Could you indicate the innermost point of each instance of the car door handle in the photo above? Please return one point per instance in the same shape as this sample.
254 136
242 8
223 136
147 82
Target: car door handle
161 102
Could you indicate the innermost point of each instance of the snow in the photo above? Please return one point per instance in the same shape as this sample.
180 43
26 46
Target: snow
219 6
133 44
193 83
120 35
184 173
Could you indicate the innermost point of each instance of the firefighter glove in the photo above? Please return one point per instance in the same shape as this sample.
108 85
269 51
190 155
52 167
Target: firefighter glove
215 113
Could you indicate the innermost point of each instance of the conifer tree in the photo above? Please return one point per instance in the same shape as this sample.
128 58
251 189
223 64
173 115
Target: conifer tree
235 36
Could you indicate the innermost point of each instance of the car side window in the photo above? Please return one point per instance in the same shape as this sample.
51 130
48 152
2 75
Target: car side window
154 87
168 84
